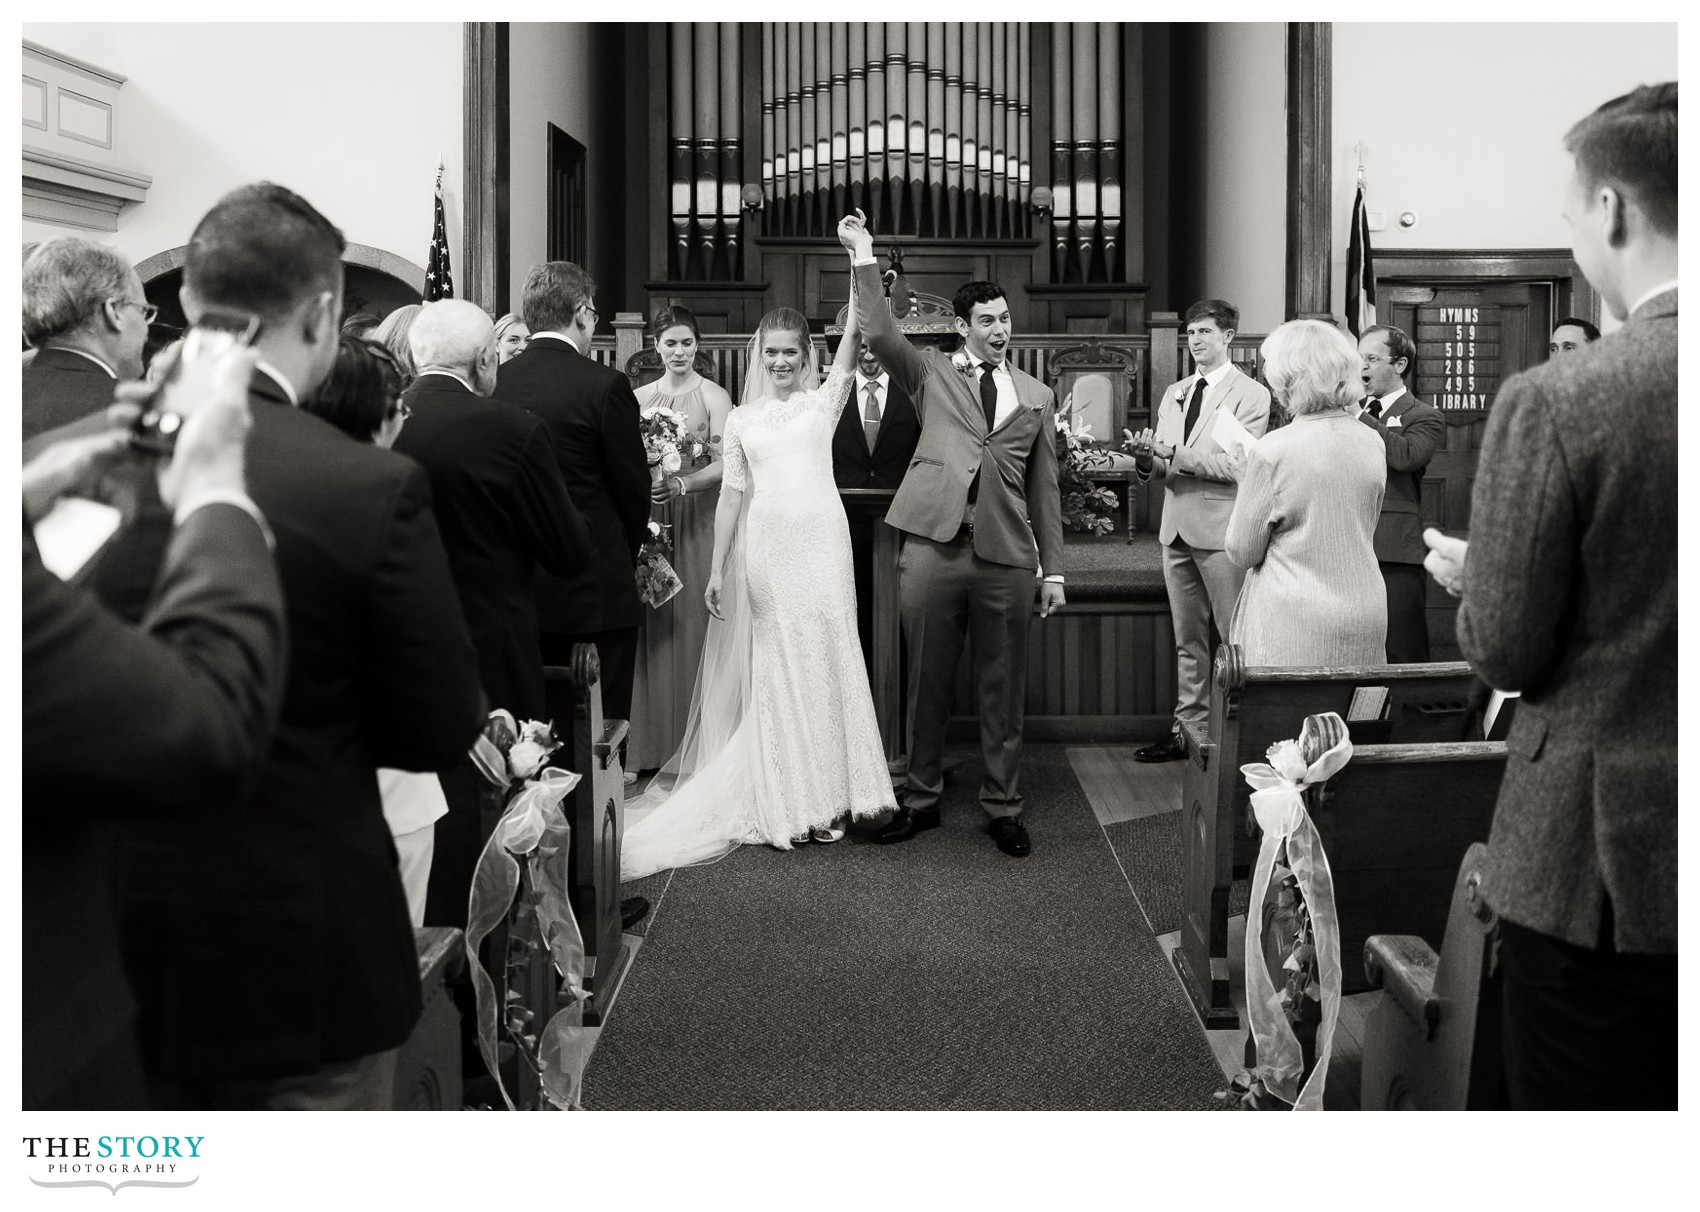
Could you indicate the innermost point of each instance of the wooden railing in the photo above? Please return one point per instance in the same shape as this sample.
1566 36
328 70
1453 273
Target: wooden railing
1138 365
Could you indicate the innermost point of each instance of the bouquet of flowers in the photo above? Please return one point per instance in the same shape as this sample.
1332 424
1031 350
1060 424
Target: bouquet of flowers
667 443
657 582
1087 506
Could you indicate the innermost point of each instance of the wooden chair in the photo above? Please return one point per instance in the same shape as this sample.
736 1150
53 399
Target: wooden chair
1250 709
1433 1043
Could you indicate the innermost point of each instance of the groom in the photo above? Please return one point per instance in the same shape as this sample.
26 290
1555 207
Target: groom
982 513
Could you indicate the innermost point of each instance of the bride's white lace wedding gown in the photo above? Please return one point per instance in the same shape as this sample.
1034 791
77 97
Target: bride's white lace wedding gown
804 748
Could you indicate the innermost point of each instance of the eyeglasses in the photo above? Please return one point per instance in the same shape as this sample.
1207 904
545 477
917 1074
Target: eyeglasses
148 310
595 316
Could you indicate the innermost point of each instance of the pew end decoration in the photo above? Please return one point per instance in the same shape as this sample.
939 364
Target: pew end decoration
1291 1032
519 893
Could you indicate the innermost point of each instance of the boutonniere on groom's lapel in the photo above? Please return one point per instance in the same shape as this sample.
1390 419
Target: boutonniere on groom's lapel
964 366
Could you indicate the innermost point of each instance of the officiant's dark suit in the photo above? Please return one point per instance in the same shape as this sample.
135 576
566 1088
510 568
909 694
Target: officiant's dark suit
958 577
857 464
592 417
1412 431
273 939
503 511
128 724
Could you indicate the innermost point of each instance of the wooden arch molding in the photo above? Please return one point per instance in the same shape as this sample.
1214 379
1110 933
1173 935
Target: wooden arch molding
399 268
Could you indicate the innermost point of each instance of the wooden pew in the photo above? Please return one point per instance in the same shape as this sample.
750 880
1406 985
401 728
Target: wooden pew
596 811
1433 1042
427 1076
1250 709
1396 821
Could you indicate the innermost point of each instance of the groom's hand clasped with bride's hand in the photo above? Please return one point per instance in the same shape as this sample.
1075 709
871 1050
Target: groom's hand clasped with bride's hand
854 235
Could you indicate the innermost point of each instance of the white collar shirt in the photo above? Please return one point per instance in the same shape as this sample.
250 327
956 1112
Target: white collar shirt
1658 290
881 386
83 353
278 377
1008 402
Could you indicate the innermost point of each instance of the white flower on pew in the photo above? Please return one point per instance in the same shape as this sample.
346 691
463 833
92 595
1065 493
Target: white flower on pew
1287 760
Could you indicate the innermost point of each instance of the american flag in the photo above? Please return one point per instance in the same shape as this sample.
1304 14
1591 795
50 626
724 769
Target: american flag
1360 271
439 278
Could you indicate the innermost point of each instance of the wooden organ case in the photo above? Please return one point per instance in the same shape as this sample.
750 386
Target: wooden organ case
1014 151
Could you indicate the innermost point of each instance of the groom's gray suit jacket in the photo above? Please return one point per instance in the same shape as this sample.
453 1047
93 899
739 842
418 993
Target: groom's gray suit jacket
1018 514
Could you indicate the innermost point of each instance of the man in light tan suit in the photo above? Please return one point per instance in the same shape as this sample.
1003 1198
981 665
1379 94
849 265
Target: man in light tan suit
1199 477
983 514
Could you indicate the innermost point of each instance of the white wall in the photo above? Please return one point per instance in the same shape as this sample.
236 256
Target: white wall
549 81
352 117
1463 123
1245 206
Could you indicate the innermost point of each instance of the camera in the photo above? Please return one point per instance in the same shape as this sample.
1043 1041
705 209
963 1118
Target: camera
155 431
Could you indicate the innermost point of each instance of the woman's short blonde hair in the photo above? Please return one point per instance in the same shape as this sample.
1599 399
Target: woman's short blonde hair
1312 366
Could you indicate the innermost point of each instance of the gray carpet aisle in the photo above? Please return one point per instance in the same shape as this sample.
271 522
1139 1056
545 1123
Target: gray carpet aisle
933 975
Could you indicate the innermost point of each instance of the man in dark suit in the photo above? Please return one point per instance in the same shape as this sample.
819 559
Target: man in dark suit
134 724
1570 596
592 417
86 315
1412 431
871 448
503 511
270 945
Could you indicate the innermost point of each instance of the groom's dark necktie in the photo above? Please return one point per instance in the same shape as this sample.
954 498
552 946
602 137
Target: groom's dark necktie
988 404
1192 409
1373 404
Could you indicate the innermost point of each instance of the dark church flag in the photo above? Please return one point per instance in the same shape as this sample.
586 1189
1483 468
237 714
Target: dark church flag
1360 271
439 278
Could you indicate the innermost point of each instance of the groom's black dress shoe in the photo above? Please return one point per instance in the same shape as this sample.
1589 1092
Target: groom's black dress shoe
906 824
1171 750
633 910
1010 835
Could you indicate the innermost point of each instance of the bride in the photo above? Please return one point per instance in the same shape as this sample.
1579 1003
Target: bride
781 740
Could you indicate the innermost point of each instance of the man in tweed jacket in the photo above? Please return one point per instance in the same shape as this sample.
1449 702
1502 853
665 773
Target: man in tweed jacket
1570 596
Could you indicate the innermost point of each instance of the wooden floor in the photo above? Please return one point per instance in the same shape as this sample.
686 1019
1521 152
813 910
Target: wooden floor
1122 789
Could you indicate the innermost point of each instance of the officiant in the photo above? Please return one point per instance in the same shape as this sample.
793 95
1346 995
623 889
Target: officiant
871 448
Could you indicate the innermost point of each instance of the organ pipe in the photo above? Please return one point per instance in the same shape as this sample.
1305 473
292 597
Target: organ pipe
927 126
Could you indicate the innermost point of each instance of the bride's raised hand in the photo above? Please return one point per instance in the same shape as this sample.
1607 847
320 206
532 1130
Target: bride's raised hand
712 596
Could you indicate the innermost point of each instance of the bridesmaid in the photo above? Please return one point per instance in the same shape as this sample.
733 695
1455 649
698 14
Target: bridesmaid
670 646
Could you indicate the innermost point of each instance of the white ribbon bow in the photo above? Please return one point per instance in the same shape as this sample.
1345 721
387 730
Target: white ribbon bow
1278 800
533 825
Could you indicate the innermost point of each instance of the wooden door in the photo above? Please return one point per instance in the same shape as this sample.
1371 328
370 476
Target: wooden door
1470 338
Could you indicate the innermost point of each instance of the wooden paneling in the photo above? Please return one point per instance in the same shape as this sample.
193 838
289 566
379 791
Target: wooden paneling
1096 671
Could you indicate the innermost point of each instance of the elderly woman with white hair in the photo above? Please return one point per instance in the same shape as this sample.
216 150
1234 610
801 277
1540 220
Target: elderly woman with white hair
1304 520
